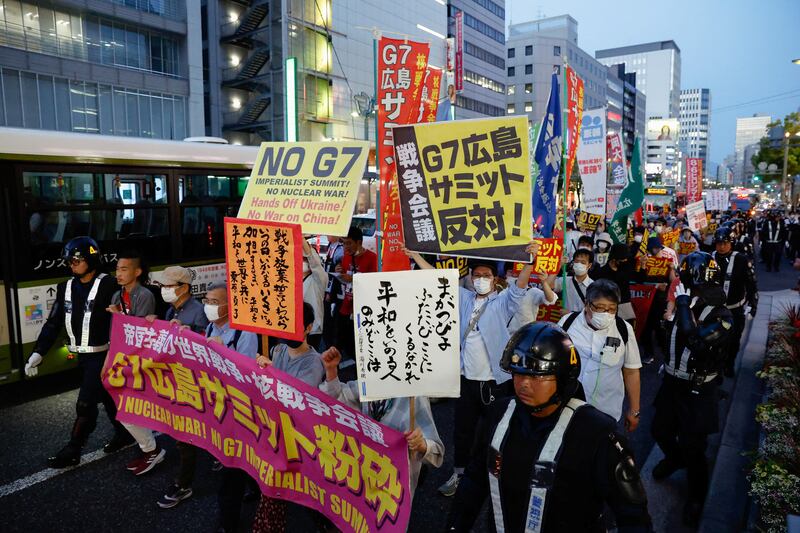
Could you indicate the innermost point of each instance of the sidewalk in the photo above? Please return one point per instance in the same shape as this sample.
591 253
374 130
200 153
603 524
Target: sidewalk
727 504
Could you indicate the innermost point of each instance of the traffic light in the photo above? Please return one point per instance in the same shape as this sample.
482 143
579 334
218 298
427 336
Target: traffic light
756 178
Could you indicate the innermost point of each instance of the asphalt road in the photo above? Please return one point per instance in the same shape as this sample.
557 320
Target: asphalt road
100 495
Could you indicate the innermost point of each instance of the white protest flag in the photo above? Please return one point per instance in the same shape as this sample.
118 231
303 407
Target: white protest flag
592 161
407 334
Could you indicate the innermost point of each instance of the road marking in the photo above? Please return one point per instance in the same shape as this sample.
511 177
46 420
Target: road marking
49 473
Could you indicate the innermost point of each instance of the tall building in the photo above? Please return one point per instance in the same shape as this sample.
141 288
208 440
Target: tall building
749 131
484 26
695 119
658 73
246 44
116 67
630 118
725 170
537 48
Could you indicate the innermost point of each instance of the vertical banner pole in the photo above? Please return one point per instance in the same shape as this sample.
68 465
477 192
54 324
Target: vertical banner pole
378 214
565 133
412 406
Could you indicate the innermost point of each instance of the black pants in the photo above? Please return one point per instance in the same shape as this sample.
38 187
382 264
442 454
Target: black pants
653 333
90 394
736 336
772 255
681 425
331 310
345 339
230 496
474 402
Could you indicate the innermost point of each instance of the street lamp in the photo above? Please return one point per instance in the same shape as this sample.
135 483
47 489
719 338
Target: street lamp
365 106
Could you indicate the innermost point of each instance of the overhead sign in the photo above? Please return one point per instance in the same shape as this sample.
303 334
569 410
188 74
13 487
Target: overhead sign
465 187
407 334
311 184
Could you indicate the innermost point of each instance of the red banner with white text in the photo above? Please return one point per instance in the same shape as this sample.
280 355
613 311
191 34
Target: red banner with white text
574 118
694 179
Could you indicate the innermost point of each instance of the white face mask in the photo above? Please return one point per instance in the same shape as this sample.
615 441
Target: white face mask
482 286
212 312
637 238
601 320
168 294
580 269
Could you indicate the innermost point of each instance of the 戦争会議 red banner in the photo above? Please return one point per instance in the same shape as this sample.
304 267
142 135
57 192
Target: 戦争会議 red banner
401 69
300 444
694 179
641 300
574 118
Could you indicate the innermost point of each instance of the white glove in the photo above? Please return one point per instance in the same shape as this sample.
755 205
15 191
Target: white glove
33 361
680 290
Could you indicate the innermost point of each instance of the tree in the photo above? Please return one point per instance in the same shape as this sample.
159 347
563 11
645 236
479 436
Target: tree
771 151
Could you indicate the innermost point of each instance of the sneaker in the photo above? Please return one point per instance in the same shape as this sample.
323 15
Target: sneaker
148 461
117 442
173 497
450 486
665 468
133 465
69 455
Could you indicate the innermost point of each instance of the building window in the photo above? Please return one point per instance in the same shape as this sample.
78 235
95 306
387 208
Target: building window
511 52
480 26
529 50
528 69
512 89
483 55
528 107
511 72
510 109
479 107
485 82
528 88
557 51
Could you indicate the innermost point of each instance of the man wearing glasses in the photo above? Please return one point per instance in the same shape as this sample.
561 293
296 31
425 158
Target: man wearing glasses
609 354
176 290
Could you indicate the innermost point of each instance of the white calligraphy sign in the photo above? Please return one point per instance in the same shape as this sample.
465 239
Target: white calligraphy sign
696 215
407 334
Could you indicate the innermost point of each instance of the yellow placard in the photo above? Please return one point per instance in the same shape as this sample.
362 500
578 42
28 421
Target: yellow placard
313 184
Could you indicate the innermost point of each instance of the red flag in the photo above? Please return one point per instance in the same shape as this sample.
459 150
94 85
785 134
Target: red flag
575 107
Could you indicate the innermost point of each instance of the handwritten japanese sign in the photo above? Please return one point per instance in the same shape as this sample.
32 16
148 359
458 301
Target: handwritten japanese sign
657 267
264 261
588 221
401 69
311 184
465 187
298 443
696 215
717 199
406 329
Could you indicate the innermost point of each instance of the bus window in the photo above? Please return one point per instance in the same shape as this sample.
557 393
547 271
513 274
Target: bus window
205 201
45 189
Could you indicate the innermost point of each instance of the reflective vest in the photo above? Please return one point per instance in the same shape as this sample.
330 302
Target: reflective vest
544 467
677 365
74 347
727 284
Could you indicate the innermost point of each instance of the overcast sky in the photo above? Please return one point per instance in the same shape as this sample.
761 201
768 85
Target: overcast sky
741 50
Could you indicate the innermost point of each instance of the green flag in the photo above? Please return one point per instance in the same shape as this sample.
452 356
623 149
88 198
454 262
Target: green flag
631 198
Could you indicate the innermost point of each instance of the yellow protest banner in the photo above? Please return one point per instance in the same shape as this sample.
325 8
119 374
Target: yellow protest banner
465 187
313 184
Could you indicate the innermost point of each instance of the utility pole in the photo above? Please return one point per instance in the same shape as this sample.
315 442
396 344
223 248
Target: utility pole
785 194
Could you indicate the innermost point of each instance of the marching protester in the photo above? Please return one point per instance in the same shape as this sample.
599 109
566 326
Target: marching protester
609 353
619 269
686 243
315 283
134 299
602 244
577 283
529 306
484 315
686 405
653 334
740 288
176 290
81 307
550 461
217 329
355 259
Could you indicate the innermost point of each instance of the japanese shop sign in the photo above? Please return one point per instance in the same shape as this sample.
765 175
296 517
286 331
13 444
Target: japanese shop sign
465 187
401 68
587 221
669 238
298 443
313 184
696 215
574 116
406 328
265 280
592 161
694 179
657 267
641 300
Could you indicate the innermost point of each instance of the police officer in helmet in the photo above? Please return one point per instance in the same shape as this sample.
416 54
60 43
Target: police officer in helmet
549 460
686 405
80 308
738 284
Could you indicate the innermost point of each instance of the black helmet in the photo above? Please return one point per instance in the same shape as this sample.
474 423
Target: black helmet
699 269
724 234
544 349
83 248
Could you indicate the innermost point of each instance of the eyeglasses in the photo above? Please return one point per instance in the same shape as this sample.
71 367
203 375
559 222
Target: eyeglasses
595 309
76 260
207 301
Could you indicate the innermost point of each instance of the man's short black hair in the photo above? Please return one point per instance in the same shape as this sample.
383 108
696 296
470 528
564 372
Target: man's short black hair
587 239
308 314
585 253
491 265
355 234
603 288
136 255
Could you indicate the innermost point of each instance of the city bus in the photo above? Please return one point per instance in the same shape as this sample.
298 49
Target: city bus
166 199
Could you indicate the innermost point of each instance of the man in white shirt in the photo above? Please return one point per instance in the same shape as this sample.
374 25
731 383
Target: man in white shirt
577 284
609 354
529 306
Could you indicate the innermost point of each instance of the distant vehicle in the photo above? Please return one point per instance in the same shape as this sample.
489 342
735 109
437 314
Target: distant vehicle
364 221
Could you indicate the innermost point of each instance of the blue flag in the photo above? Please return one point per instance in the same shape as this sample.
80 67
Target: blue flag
548 157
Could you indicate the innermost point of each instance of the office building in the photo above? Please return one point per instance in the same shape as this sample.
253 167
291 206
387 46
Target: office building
749 131
484 53
658 74
246 44
629 118
535 50
695 119
115 67
725 170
